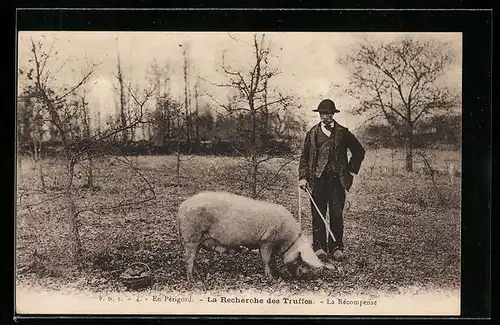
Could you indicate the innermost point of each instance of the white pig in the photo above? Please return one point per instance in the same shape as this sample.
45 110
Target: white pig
224 221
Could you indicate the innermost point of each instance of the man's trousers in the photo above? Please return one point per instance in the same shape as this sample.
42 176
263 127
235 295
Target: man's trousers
328 192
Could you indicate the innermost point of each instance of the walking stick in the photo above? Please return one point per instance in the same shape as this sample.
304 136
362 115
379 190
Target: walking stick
300 208
327 219
321 215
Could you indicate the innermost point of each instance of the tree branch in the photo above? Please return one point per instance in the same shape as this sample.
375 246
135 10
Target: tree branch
78 85
276 174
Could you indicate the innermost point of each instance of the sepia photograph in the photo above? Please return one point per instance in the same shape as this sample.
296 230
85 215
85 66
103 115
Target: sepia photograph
238 173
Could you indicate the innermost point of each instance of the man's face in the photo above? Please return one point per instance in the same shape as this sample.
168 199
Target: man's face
326 118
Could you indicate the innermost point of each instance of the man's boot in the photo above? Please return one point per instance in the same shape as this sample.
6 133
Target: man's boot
338 254
322 255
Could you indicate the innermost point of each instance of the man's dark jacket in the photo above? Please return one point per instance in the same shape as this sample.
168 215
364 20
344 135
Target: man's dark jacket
344 140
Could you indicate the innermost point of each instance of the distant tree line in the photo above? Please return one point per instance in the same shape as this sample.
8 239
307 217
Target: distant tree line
163 133
441 131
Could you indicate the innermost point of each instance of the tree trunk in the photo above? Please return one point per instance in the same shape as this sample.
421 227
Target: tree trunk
74 229
178 166
393 154
38 161
169 124
75 244
98 123
148 130
254 175
35 151
123 117
87 136
186 98
42 178
90 172
266 113
132 133
26 128
143 131
409 148
196 121
253 140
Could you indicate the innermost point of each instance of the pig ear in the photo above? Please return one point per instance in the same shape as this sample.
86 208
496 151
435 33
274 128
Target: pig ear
291 255
309 257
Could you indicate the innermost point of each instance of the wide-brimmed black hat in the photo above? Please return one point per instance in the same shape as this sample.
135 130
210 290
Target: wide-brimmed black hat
326 106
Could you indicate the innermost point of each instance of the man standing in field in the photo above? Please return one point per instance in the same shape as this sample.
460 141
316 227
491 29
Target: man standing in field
325 170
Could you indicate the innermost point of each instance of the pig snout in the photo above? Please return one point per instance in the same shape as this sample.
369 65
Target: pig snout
301 259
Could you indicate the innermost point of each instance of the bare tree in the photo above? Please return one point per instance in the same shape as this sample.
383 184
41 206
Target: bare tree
399 80
254 99
53 100
162 118
170 119
43 89
62 112
178 135
86 136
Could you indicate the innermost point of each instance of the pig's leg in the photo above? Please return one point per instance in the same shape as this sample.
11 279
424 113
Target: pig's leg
272 264
266 251
191 249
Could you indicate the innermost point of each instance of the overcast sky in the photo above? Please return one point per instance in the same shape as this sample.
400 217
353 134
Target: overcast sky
307 61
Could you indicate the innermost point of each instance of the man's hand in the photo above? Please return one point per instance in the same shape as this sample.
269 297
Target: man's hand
303 184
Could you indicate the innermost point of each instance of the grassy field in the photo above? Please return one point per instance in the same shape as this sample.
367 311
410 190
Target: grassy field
402 230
